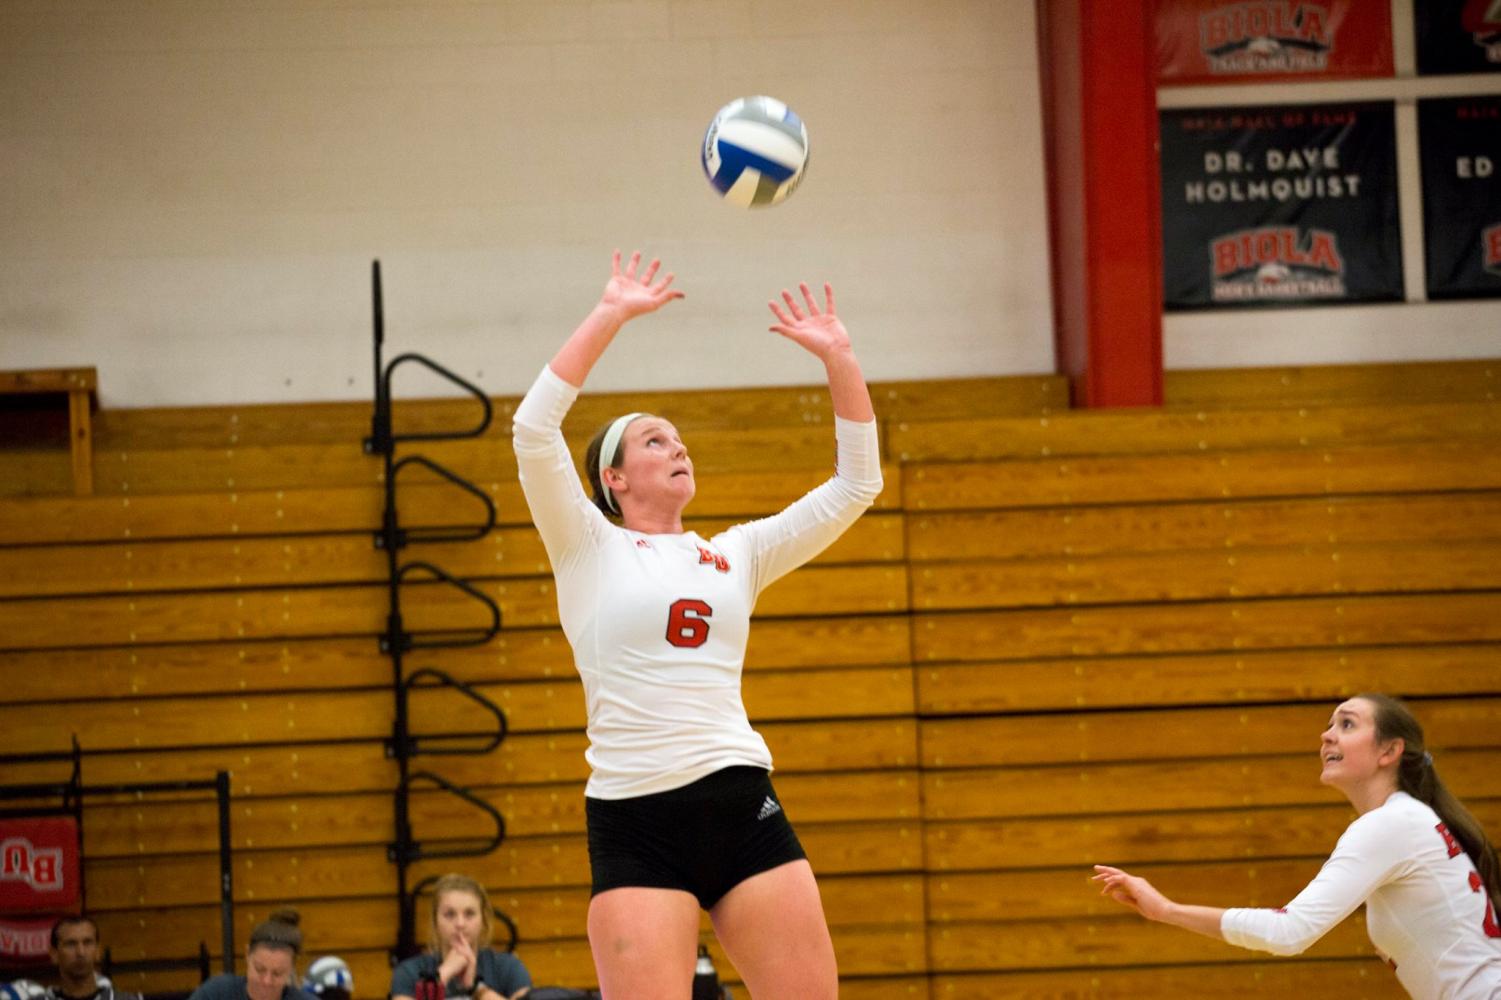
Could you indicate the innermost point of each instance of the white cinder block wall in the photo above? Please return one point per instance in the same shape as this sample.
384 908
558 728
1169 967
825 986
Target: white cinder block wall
193 189
191 192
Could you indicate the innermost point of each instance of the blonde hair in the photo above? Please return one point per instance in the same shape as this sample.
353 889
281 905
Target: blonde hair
453 882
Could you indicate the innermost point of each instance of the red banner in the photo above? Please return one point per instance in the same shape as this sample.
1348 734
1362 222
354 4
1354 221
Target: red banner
23 940
38 864
1223 41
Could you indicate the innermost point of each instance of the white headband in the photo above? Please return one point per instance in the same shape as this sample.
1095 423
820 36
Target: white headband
607 449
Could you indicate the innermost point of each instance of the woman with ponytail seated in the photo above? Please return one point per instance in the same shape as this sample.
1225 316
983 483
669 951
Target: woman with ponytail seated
1415 856
270 965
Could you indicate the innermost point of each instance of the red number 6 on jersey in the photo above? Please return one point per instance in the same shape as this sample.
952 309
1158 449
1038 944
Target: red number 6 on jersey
688 623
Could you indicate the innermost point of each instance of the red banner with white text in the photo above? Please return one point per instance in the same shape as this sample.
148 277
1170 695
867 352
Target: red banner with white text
1223 41
24 940
38 864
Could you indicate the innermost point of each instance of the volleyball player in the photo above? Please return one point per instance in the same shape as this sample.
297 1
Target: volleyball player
680 808
1415 856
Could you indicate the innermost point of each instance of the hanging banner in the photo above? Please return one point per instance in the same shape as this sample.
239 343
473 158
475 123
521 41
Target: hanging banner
38 864
1217 41
1271 206
24 940
1460 145
1457 36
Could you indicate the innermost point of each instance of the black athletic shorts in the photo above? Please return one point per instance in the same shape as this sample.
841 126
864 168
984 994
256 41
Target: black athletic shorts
704 838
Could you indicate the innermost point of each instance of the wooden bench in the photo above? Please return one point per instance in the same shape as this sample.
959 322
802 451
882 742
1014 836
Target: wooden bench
1107 942
730 495
123 828
293 768
1195 733
559 860
316 717
1211 524
1325 385
1205 678
1215 626
704 409
1225 981
1148 431
1158 578
1181 784
332 611
1131 479
296 560
544 914
76 387
1202 835
321 663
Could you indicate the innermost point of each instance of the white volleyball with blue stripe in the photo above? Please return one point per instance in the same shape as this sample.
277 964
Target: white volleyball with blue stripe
755 151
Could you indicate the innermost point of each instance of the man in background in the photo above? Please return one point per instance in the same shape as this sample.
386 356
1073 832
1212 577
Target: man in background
75 952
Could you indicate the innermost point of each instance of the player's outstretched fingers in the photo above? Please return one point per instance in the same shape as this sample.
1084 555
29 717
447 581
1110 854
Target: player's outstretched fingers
783 319
792 306
808 298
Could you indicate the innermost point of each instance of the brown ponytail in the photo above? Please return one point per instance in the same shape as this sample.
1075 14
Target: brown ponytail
1417 776
591 470
279 931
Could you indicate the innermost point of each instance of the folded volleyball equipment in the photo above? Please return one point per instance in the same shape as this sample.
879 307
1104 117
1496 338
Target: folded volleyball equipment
400 639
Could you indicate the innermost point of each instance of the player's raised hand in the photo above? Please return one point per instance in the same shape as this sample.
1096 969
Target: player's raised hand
816 329
635 295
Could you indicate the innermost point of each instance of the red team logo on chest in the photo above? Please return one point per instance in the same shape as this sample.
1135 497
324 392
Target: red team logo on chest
706 557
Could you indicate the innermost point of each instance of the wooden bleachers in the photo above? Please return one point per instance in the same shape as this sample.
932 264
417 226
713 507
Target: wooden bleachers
1263 388
1060 638
1129 630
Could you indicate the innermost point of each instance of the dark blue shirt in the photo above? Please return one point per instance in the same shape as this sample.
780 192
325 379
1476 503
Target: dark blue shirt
230 987
499 970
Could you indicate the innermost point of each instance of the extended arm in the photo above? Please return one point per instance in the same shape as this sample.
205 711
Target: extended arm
1371 852
560 509
1139 894
786 540
821 333
625 297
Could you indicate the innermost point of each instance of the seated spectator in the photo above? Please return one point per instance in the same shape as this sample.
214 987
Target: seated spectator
459 958
74 948
270 965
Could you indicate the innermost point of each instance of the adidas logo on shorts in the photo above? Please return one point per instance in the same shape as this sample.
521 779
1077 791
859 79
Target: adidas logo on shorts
768 808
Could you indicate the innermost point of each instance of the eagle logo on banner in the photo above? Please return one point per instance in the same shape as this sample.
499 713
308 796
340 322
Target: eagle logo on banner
1277 262
1266 37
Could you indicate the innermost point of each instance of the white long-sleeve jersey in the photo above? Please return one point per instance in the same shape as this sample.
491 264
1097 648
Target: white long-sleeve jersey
659 623
1427 911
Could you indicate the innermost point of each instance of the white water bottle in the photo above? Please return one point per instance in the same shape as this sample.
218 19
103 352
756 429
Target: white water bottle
705 979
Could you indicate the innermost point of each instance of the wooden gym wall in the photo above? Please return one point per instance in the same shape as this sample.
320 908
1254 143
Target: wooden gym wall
1059 638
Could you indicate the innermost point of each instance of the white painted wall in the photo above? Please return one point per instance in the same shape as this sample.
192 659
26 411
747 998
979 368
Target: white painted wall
191 191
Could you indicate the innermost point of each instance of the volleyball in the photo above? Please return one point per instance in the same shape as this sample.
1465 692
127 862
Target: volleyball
22 989
755 151
328 972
